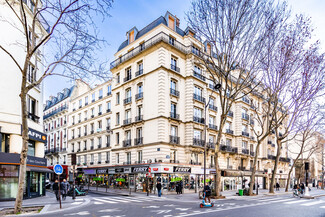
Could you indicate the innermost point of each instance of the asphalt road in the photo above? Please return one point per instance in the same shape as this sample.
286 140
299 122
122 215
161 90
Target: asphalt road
142 206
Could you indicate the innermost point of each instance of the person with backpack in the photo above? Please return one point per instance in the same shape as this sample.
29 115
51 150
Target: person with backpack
56 189
207 191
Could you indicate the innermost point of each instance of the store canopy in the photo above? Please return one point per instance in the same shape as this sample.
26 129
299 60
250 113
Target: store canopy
39 169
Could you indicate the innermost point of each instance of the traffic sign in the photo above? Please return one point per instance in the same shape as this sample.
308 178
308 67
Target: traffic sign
58 169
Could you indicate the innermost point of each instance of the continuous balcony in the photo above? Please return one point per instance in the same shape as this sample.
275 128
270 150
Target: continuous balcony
173 115
33 117
174 92
127 78
252 153
139 96
230 114
198 142
198 98
198 119
271 157
127 143
243 133
199 76
54 112
211 145
229 149
283 159
173 139
192 162
138 141
229 131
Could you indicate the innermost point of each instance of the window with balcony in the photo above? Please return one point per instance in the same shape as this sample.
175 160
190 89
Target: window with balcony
31 73
198 73
99 142
80 103
138 140
139 95
100 126
228 142
100 94
117 158
128 74
93 97
140 69
108 124
127 141
212 121
108 106
92 112
117 136
127 117
118 78
86 100
117 98
99 160
173 64
245 130
173 111
108 156
128 96
228 127
32 105
198 94
198 115
173 88
100 109
109 90
86 115
197 134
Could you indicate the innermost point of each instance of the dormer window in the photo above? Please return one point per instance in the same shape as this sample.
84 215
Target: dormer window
209 49
171 40
131 37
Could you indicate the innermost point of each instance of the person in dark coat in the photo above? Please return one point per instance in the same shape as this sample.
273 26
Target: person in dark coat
65 188
159 189
277 185
207 191
56 189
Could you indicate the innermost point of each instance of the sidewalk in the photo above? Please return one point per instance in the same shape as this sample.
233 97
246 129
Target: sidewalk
49 202
190 197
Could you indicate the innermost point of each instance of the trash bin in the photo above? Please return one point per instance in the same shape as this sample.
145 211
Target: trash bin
240 192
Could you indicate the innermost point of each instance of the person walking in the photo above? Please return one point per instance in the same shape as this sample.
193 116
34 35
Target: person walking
302 187
159 189
277 186
65 188
56 189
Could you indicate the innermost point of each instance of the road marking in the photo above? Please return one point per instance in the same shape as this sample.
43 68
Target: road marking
161 211
150 207
183 209
78 199
296 201
105 201
79 213
123 198
110 210
98 203
117 200
323 207
76 203
313 203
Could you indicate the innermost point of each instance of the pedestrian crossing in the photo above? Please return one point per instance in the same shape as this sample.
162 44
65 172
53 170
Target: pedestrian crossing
121 199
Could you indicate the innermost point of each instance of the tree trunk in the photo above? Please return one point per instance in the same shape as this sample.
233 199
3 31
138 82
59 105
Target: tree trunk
217 182
24 149
290 171
275 166
251 185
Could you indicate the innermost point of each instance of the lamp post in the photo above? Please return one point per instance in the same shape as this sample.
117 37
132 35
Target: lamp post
216 87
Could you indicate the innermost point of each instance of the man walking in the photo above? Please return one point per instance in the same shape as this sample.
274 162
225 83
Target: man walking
159 189
56 189
65 188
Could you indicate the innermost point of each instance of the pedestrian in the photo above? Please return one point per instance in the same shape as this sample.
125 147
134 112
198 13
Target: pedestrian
277 186
302 187
181 187
159 189
207 191
65 188
56 189
177 187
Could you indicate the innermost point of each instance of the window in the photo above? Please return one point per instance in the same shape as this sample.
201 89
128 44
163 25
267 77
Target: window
31 148
173 63
99 157
140 88
92 126
128 74
108 121
173 130
79 159
197 112
4 142
32 105
171 40
139 132
195 50
128 135
93 97
85 129
173 84
245 128
244 145
92 143
109 89
85 159
117 138
80 103
85 145
117 158
173 109
117 98
197 69
73 106
197 134
128 93
211 120
79 117
228 125
92 112
128 157
31 73
228 142
73 121
99 142
198 91
140 69
99 125
118 118
107 157
211 138
100 94
86 115
127 114
139 156
108 106
211 101
92 158
108 140
100 110
86 100
118 79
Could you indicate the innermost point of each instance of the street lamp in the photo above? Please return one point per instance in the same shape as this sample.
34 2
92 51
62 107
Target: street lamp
216 87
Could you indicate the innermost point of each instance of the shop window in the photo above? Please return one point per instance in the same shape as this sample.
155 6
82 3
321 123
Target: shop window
31 148
4 139
9 181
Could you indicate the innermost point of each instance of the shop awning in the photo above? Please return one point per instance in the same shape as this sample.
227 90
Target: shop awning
38 169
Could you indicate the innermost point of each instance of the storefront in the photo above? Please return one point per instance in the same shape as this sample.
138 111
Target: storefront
9 172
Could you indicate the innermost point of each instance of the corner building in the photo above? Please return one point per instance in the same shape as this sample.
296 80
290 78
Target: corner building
157 120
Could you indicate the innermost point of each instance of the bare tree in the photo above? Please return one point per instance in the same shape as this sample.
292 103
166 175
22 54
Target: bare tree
235 32
71 42
295 77
303 139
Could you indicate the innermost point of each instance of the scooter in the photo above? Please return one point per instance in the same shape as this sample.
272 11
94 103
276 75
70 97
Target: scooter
203 204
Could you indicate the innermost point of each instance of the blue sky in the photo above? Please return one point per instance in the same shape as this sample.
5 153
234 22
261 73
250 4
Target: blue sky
128 13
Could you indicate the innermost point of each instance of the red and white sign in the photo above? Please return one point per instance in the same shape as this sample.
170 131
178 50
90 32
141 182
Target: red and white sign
149 170
154 169
166 169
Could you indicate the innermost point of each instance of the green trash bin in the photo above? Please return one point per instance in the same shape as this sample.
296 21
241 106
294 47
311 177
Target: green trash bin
240 192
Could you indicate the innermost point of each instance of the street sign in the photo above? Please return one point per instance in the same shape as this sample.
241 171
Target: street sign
58 169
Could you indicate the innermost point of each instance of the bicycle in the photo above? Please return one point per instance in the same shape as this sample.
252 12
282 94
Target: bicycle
296 193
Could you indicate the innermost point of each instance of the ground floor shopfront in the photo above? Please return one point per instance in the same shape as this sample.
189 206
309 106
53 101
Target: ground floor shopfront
9 173
143 178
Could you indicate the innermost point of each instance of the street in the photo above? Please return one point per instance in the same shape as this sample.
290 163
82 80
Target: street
142 206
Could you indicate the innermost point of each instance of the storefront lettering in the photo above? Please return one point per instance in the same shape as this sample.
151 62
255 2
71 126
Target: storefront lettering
155 169
176 179
140 169
166 169
120 180
119 170
101 171
182 169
